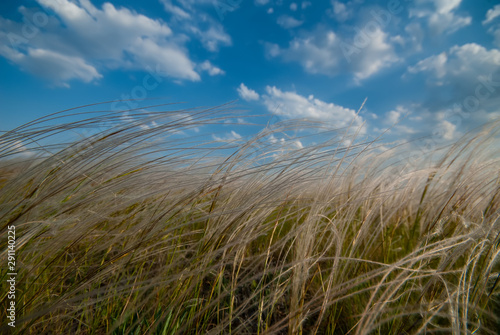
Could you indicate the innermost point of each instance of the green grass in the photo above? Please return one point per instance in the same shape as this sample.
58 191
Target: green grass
152 231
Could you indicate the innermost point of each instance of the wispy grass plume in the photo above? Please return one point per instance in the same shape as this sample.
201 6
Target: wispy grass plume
145 226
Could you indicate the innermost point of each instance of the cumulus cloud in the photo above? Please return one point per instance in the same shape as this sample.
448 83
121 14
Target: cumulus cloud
444 129
441 15
435 64
378 55
212 38
298 144
316 52
229 137
448 130
393 116
496 35
396 118
415 35
211 69
247 94
190 17
341 11
492 14
54 66
494 29
294 106
288 22
170 61
461 64
295 144
323 51
177 11
72 46
442 6
274 140
83 25
464 84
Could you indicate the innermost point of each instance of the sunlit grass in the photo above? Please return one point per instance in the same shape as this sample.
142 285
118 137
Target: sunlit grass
150 230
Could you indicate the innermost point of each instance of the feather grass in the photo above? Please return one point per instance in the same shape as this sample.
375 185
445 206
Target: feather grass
137 230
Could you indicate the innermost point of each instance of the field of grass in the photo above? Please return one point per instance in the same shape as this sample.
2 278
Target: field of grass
140 229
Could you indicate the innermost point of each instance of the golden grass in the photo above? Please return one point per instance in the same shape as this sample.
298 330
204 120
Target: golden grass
139 230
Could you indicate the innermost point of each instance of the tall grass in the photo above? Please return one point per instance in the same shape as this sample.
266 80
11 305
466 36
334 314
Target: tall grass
146 227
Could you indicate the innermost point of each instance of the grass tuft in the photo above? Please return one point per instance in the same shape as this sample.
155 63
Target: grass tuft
144 226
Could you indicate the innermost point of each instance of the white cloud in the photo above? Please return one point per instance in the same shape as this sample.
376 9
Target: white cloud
229 137
305 4
494 30
261 2
441 16
447 130
448 23
320 52
443 6
398 39
273 50
211 38
377 55
75 47
415 35
175 10
492 14
285 144
288 22
298 144
399 122
274 140
496 34
151 125
170 60
465 77
270 10
192 19
341 11
87 22
131 41
292 105
56 67
247 94
316 52
461 64
293 6
235 134
393 116
436 64
211 69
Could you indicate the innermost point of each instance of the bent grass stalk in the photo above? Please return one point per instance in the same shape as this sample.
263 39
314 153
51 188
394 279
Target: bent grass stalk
142 229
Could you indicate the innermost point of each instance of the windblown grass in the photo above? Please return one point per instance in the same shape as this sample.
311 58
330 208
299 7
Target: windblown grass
139 230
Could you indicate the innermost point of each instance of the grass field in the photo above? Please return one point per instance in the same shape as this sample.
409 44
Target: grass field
136 229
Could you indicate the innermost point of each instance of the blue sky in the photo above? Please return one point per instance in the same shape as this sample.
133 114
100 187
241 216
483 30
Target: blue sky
428 66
